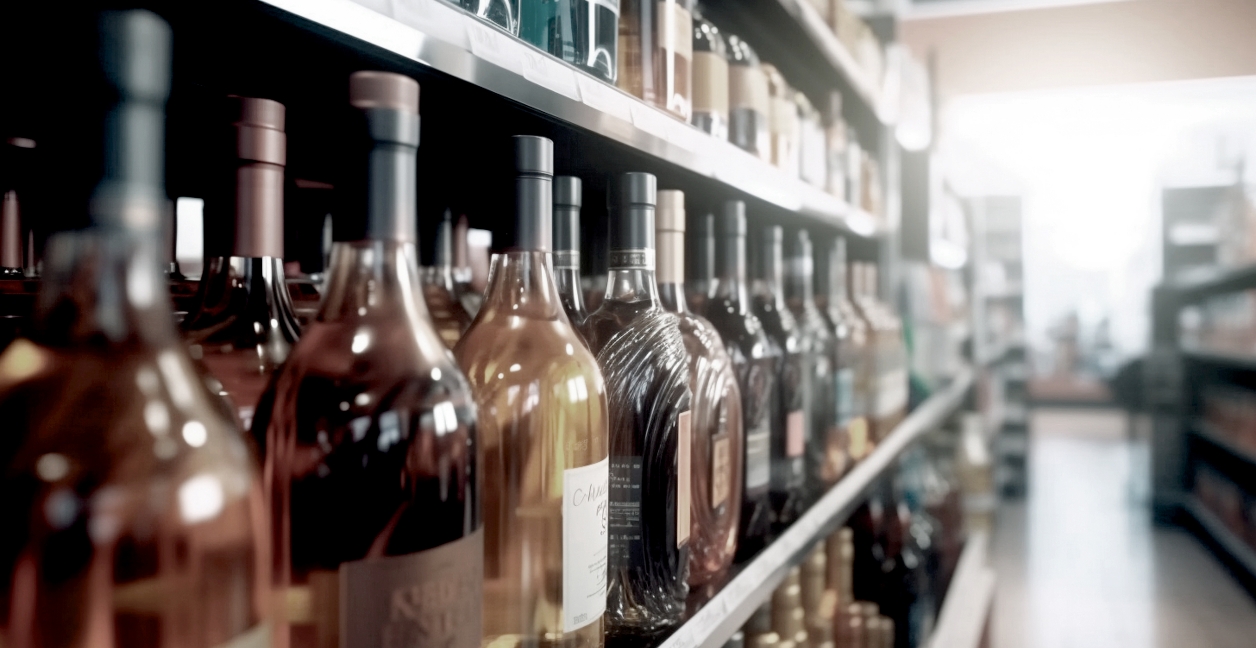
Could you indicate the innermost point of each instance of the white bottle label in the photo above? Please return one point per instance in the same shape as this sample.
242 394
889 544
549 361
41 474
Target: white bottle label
586 501
759 454
684 451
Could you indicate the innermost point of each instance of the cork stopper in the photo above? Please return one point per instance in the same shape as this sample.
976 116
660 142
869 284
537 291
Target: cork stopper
373 89
669 236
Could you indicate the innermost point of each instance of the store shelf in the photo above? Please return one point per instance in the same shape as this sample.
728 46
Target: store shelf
1227 359
449 40
1219 452
966 608
1213 281
727 611
841 58
1238 555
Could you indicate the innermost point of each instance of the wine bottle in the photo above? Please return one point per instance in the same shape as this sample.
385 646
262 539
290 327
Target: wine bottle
790 433
545 455
570 30
700 279
567 201
642 357
503 13
748 100
835 147
243 326
470 298
891 356
11 237
754 360
638 24
371 449
826 453
710 79
440 292
782 121
856 361
133 508
715 409
674 57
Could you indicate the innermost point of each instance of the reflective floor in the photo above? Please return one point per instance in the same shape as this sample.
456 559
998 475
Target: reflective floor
1080 563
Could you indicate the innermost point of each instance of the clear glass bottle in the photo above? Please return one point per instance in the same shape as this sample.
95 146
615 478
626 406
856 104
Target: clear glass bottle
133 508
748 100
710 78
856 354
847 358
835 147
371 450
243 326
567 201
826 457
890 400
642 357
790 430
545 455
470 298
700 278
755 361
440 291
503 13
782 121
715 410
674 57
637 25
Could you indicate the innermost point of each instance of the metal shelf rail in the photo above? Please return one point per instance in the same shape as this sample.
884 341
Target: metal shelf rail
449 40
966 608
728 610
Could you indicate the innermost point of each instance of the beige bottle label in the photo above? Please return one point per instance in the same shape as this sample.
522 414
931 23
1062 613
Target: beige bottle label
719 471
429 599
684 453
586 501
795 433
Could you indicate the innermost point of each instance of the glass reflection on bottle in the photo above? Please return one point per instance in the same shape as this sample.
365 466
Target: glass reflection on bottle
503 13
441 291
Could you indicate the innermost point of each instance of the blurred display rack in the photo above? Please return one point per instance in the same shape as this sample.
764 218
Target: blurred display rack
713 624
449 40
1237 462
1202 284
962 622
1240 557
1233 360
821 35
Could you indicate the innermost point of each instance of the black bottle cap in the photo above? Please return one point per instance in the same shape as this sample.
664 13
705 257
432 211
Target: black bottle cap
534 155
632 199
733 220
534 163
567 200
135 55
568 191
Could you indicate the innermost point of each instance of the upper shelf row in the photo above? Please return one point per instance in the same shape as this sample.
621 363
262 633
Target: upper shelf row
455 43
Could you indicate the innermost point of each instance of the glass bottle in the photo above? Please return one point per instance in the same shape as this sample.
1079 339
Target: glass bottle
826 458
835 147
748 100
637 24
790 432
710 78
700 278
11 238
133 508
243 326
371 450
567 201
715 421
582 32
545 455
890 402
642 357
440 291
674 57
755 360
782 121
503 13
470 298
851 338
598 37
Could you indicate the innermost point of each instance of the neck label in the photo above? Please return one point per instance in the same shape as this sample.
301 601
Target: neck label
566 259
632 259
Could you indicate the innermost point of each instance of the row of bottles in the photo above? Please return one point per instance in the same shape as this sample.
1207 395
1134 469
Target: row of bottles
417 464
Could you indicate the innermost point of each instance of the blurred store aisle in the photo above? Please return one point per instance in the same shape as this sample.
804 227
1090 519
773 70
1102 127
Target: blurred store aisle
1081 565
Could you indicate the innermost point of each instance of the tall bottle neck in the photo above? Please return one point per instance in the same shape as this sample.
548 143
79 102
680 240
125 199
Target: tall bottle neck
630 277
391 171
799 284
521 284
671 270
373 278
769 279
731 270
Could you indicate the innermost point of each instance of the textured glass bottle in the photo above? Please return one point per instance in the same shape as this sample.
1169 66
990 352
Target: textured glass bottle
243 327
133 512
754 361
440 291
826 457
790 432
710 79
855 361
715 409
371 446
567 201
642 357
543 425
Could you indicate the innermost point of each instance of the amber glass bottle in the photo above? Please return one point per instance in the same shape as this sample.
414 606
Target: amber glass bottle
133 511
567 201
372 454
243 326
642 356
715 421
755 359
790 430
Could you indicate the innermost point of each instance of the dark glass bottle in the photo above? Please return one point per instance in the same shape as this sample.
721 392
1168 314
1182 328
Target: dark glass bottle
755 361
371 448
710 78
748 100
243 326
567 201
133 509
790 431
440 291
826 457
642 357
581 32
716 420
545 455
855 361
700 278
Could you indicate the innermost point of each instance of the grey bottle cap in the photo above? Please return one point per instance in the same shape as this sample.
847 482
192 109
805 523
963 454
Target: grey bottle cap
534 155
670 213
135 55
632 200
568 191
733 220
800 246
372 89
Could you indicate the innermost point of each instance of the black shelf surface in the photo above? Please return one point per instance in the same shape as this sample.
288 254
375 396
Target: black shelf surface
715 622
450 41
1212 447
1237 555
1225 359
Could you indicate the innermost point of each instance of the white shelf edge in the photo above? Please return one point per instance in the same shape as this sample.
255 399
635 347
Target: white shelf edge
962 620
